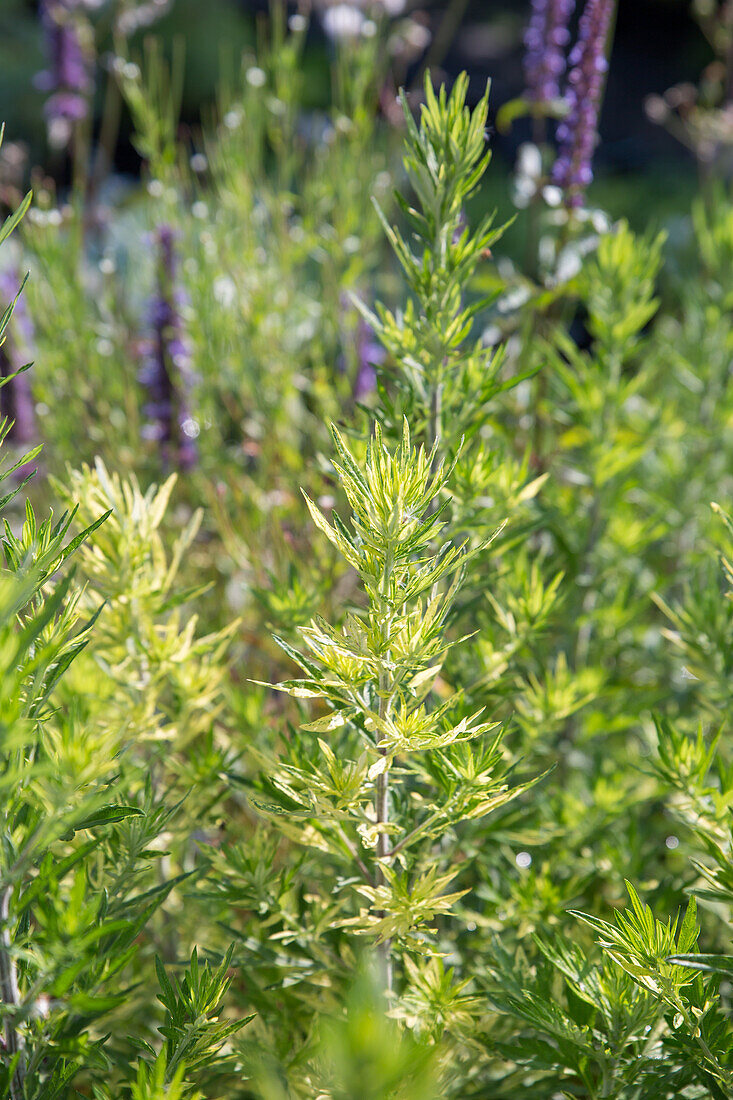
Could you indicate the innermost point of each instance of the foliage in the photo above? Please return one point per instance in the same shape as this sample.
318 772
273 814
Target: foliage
393 872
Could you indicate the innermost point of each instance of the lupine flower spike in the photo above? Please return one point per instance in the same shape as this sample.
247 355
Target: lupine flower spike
68 77
578 131
545 40
16 400
166 373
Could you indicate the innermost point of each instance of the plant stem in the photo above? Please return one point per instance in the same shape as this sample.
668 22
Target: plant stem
10 995
605 429
426 824
382 814
694 1029
444 37
435 429
108 134
435 423
381 799
354 853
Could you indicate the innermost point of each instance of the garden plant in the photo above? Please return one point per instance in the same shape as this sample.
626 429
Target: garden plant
366 602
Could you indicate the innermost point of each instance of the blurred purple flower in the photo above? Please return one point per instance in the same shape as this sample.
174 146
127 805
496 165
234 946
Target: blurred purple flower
68 76
577 133
461 226
370 355
166 371
545 40
16 399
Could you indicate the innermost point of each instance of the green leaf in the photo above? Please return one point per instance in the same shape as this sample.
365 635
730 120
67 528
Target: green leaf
106 815
15 218
715 964
689 930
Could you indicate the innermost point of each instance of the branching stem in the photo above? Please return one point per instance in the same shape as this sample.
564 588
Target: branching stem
381 801
415 833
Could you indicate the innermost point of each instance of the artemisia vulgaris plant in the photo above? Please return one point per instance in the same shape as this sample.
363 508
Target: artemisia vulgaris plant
368 770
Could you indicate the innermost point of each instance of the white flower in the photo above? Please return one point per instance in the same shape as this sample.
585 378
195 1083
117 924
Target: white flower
256 77
343 21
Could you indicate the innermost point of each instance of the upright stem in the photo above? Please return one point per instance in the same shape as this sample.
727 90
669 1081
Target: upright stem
108 134
381 800
604 430
442 41
383 850
435 425
382 796
585 630
10 995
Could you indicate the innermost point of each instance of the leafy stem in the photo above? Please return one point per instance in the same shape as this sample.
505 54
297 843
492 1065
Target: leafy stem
11 997
381 800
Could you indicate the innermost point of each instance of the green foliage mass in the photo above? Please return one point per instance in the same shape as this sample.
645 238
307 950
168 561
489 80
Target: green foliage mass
418 783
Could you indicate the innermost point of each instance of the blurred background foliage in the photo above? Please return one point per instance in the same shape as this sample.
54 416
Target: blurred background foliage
210 285
657 43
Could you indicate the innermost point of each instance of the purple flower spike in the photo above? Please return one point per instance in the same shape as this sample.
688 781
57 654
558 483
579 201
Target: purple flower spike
545 40
68 76
16 399
370 356
577 133
67 107
166 372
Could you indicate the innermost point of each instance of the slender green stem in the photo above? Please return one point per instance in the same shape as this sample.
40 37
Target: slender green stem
605 429
381 799
435 430
442 41
108 134
381 807
608 1084
354 853
694 1030
10 995
426 824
